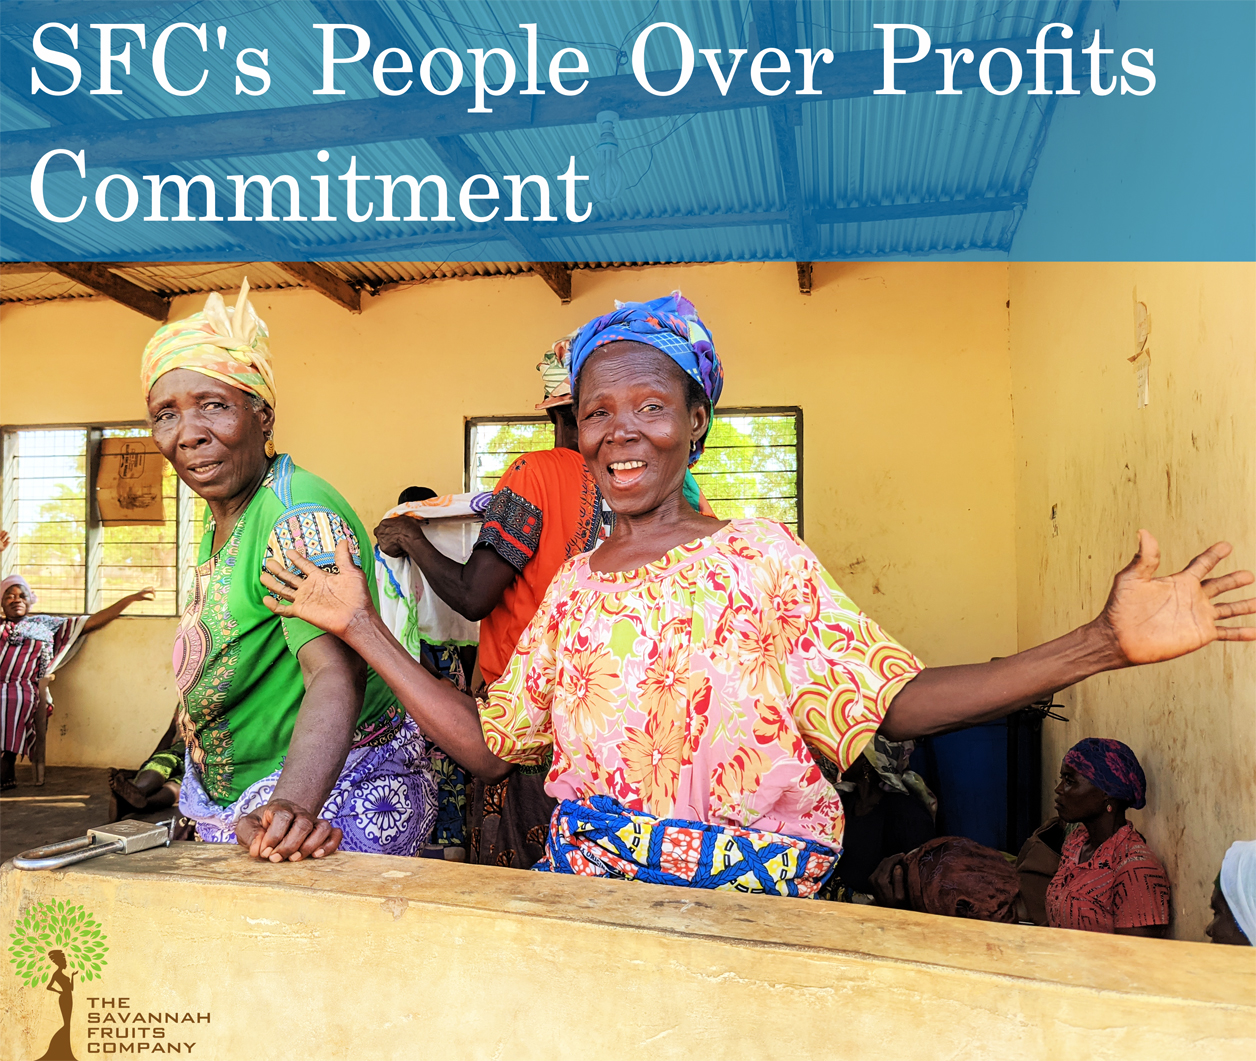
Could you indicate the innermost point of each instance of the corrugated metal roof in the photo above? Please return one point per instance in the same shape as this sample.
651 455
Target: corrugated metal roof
858 152
37 283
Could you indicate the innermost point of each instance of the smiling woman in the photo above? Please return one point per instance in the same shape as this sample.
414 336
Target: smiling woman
688 674
294 746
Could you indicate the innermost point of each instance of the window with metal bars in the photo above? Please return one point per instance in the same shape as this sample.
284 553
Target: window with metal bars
73 563
752 465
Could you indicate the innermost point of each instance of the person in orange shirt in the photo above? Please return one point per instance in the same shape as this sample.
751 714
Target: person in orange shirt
546 508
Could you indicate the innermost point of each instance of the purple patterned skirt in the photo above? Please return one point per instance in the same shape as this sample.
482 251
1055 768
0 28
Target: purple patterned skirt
384 800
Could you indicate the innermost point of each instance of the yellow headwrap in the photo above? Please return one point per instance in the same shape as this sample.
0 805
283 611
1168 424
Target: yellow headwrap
227 344
555 375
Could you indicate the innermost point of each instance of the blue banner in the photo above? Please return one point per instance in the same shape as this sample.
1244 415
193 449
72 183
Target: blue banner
627 131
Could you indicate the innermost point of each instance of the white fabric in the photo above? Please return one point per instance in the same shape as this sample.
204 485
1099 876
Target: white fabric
1238 885
407 604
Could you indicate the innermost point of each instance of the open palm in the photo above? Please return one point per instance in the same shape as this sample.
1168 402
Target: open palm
328 599
1159 618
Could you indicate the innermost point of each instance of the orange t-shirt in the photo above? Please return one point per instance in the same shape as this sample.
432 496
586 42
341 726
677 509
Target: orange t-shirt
545 509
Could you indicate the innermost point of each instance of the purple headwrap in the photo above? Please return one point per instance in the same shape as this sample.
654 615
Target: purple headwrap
1111 767
670 324
18 580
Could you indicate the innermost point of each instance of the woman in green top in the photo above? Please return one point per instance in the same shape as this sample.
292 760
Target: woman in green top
295 747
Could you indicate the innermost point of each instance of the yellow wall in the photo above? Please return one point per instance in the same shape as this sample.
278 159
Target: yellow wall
901 370
115 699
925 499
1183 468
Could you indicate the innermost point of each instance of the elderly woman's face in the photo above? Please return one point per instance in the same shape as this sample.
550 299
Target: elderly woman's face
14 602
1076 799
210 432
636 432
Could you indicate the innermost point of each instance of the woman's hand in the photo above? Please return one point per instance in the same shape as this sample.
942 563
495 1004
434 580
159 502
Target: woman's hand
331 600
1153 619
282 830
147 593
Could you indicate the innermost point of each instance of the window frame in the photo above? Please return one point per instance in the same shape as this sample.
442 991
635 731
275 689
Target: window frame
731 410
93 543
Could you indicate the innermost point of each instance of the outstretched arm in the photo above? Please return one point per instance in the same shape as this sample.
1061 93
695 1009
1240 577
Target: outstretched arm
1145 620
341 604
472 589
108 615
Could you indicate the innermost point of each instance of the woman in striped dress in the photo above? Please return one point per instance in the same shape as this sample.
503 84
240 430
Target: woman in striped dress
31 646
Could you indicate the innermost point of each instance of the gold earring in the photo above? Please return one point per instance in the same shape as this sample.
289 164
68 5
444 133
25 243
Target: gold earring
270 444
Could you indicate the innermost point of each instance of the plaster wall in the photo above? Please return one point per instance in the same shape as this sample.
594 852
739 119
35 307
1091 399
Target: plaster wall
1183 467
900 369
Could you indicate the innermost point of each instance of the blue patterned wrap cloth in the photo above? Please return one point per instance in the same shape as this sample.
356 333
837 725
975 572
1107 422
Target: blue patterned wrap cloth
598 837
669 324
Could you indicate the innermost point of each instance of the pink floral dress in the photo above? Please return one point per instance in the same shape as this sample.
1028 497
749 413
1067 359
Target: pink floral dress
692 687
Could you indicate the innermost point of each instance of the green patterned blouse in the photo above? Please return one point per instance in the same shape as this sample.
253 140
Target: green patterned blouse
235 662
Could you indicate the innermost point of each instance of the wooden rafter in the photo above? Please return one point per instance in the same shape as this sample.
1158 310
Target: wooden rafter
111 285
557 275
804 277
325 282
463 163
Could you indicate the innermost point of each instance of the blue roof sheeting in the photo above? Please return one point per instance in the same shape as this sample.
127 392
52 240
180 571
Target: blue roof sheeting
698 186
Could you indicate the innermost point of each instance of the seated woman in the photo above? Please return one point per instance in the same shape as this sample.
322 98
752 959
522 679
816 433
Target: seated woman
293 744
680 671
155 785
1234 897
1108 879
31 648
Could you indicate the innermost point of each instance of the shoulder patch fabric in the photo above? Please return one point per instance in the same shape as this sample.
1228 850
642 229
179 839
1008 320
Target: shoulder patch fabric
279 479
512 528
313 531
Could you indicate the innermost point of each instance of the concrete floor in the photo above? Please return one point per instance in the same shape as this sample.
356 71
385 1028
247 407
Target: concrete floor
72 800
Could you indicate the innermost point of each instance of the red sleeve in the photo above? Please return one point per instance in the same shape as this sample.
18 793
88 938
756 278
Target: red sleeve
1141 893
512 522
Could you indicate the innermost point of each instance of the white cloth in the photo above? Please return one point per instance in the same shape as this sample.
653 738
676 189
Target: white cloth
1238 885
409 607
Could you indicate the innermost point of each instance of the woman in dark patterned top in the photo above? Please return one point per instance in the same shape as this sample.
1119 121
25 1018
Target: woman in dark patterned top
1108 880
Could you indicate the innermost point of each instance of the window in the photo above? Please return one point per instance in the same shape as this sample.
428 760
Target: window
74 564
752 465
493 442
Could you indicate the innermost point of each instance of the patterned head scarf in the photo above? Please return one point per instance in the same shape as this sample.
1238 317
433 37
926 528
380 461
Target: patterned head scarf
18 580
554 374
229 344
1111 767
669 324
1238 884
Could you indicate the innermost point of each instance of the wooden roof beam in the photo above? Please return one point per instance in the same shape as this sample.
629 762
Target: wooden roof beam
463 163
804 277
557 275
103 282
325 282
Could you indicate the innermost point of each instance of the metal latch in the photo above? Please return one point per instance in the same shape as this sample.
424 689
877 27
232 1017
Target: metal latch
123 838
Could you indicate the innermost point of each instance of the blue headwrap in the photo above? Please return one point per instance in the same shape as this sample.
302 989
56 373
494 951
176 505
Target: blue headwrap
1112 767
670 324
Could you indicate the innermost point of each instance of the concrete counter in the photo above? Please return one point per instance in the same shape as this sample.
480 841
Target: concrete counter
371 957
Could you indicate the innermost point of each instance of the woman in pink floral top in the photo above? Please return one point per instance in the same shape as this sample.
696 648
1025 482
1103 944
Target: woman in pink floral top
691 687
681 674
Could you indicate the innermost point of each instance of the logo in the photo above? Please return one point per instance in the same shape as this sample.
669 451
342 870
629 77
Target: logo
52 946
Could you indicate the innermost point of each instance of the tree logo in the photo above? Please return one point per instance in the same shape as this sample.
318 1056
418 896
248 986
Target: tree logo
53 944
56 927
